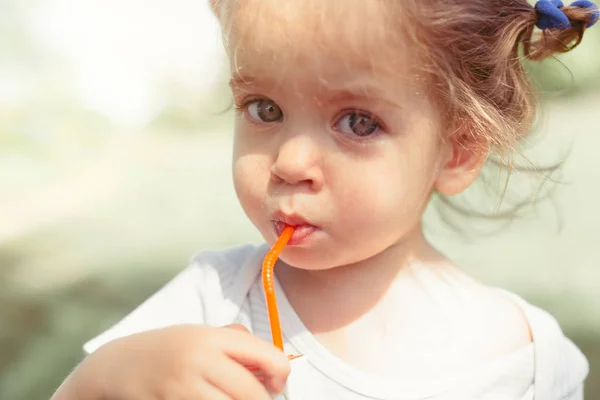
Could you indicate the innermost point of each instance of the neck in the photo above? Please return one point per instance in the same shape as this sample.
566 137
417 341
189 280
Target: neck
343 294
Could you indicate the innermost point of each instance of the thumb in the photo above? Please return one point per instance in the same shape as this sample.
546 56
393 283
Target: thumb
237 327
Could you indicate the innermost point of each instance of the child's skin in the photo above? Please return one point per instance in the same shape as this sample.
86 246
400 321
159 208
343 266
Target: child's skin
182 362
366 196
351 155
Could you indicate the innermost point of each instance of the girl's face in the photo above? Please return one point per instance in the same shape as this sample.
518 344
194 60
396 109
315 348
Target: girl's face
347 154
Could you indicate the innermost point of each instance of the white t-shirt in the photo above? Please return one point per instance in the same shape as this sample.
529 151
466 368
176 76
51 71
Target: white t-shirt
224 287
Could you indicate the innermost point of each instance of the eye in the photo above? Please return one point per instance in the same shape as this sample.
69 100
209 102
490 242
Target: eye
358 124
264 110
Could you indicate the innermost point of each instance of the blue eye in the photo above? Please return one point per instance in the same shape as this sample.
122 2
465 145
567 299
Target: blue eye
357 124
264 111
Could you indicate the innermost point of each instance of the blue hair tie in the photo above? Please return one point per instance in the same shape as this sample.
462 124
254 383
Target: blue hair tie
552 17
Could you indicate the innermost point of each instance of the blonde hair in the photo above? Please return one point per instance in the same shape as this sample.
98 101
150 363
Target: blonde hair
468 50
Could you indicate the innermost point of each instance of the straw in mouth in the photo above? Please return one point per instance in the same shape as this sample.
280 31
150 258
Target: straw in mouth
269 285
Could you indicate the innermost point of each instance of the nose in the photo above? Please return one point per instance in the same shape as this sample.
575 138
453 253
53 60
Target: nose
298 161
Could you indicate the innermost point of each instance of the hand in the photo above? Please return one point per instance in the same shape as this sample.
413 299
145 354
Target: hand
177 363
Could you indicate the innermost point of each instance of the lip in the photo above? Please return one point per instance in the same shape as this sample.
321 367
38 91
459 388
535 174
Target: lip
303 228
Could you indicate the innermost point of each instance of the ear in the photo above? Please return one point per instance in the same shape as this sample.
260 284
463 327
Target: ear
463 160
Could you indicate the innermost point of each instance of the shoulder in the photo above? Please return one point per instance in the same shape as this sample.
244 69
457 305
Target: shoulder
206 292
220 269
503 323
234 257
226 278
485 324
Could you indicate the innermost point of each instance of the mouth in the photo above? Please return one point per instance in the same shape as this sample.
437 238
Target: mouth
303 229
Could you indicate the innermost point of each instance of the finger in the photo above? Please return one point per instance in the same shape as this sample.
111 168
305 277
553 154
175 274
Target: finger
254 368
237 327
290 357
234 380
250 350
207 391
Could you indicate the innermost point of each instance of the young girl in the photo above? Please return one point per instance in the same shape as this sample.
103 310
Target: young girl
350 115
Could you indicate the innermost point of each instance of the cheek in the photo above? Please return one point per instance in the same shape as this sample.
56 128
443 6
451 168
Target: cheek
244 160
387 195
248 172
247 178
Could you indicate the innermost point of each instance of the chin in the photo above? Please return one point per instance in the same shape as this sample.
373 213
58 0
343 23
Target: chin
308 259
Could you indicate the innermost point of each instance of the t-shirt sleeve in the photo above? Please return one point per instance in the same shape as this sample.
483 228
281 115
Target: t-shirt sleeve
576 394
560 366
209 291
178 302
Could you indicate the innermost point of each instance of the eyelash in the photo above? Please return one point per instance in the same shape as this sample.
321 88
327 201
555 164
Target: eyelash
242 105
348 112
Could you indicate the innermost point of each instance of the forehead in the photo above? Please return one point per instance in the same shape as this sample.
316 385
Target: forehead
321 38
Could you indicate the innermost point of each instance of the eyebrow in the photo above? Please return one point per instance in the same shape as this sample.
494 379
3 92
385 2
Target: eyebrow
244 80
351 90
237 80
365 93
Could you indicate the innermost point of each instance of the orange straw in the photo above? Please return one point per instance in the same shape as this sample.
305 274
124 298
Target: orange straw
268 283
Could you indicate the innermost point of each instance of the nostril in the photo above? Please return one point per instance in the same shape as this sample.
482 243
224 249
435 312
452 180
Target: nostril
274 175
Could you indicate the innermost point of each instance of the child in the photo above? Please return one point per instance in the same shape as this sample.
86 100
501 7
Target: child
350 114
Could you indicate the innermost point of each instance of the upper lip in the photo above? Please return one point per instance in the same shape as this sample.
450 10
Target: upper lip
291 219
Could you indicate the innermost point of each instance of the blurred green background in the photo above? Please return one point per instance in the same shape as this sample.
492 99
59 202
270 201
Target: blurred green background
114 172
